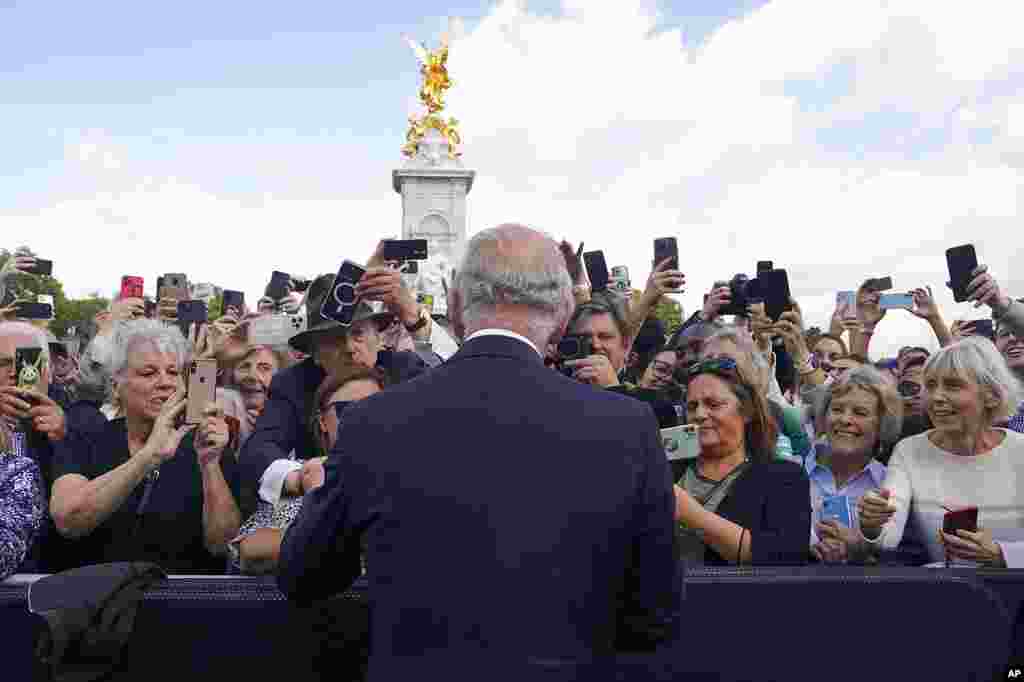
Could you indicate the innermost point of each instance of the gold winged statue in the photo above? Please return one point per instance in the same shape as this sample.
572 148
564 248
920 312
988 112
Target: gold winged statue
434 69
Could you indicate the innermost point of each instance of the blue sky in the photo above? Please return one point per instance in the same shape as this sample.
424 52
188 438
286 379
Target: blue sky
835 137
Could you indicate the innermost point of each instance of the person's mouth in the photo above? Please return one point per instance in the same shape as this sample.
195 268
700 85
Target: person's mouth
943 412
1015 352
159 400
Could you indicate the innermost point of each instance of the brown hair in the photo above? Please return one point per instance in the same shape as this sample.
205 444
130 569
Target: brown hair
330 385
760 433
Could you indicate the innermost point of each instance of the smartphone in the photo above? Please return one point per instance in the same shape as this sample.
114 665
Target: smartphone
984 328
42 267
765 266
837 507
192 311
274 330
34 311
960 519
774 289
893 301
410 267
680 442
202 389
666 247
962 262
426 300
233 299
150 308
573 347
846 304
597 270
28 367
280 282
404 249
131 287
340 304
879 284
173 286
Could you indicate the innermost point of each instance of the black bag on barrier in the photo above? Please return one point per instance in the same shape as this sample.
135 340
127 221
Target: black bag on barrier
90 614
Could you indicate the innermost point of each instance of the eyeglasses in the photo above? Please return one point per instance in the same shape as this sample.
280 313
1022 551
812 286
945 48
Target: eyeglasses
908 389
712 366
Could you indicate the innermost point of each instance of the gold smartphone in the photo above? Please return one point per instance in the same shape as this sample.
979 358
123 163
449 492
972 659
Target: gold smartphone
202 389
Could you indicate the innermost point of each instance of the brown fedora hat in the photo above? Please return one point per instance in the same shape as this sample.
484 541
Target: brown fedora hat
317 325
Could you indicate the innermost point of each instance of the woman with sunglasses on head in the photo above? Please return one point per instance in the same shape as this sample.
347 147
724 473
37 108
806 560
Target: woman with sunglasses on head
737 503
258 545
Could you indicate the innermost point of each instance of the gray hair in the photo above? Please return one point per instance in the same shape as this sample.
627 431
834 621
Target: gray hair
867 378
129 336
538 280
94 369
24 329
978 358
604 305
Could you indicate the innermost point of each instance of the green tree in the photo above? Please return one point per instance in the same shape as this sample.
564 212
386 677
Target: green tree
670 312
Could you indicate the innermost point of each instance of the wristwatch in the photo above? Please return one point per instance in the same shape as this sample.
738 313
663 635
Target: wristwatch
420 323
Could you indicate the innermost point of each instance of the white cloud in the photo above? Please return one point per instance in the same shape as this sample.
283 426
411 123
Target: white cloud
598 125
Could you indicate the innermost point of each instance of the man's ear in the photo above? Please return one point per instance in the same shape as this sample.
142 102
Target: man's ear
455 313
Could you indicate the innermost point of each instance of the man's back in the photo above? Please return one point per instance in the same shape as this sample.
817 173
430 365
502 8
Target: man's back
509 514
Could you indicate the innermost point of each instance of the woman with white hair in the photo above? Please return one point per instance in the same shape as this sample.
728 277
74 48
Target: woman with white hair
962 462
144 488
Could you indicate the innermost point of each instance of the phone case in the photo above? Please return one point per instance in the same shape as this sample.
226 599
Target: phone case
774 288
132 287
404 249
597 270
202 389
961 261
960 519
28 367
837 507
680 442
666 247
340 304
233 299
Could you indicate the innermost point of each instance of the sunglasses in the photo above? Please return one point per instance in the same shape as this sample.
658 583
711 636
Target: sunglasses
908 389
713 366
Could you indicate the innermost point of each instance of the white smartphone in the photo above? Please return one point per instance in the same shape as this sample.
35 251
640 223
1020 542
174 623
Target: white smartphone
680 442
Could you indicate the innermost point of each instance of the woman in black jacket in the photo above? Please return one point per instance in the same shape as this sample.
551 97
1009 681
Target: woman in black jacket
738 503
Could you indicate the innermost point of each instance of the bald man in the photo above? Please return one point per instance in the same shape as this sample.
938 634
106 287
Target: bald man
516 523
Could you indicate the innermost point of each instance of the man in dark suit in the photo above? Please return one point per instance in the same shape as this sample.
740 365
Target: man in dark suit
283 426
515 521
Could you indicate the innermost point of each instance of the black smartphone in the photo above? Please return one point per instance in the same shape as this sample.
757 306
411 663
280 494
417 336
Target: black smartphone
33 311
597 270
411 267
280 282
960 519
42 267
340 303
173 285
773 287
192 311
233 299
984 328
765 266
666 247
880 284
404 249
150 307
962 262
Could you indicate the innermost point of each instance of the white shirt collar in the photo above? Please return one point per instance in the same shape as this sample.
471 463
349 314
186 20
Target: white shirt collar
506 333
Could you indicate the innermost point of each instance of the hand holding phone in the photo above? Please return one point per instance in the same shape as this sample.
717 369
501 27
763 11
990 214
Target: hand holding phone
962 261
965 518
41 267
597 270
837 508
131 287
894 301
340 303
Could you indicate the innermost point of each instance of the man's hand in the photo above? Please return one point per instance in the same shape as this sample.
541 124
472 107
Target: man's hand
717 299
385 285
985 290
212 436
874 511
663 280
15 403
869 312
967 546
791 328
924 304
596 370
47 417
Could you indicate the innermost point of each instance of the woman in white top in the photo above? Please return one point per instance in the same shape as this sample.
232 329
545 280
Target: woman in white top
962 461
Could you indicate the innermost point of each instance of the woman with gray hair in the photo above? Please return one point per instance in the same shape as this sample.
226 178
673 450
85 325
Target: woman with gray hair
963 462
144 488
861 415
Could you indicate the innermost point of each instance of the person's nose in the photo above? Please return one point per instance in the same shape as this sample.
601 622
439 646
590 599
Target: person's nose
167 380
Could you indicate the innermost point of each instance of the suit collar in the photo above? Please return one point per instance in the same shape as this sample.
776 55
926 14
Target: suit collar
493 345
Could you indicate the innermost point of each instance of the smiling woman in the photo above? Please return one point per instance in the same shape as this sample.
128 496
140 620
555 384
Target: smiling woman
143 488
963 462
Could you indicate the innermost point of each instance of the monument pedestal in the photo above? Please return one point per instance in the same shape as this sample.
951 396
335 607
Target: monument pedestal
433 187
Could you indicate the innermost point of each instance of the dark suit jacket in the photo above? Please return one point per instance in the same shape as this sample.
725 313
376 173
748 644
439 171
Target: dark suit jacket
284 424
772 500
510 514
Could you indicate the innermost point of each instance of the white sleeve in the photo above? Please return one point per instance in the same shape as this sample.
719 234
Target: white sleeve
1013 553
897 481
272 481
441 341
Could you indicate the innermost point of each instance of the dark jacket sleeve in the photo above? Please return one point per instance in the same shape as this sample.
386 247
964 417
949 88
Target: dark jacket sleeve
276 435
320 552
780 539
653 589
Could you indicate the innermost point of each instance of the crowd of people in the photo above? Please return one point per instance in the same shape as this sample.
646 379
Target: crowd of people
348 449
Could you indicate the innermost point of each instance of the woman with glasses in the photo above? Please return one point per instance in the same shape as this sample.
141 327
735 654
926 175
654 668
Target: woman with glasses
962 462
737 503
256 549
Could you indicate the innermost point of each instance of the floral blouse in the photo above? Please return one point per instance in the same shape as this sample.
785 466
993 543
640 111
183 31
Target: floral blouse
22 509
265 516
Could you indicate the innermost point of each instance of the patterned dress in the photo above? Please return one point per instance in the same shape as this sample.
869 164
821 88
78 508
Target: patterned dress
266 516
22 509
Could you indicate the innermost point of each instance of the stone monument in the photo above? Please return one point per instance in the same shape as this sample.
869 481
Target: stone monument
433 182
